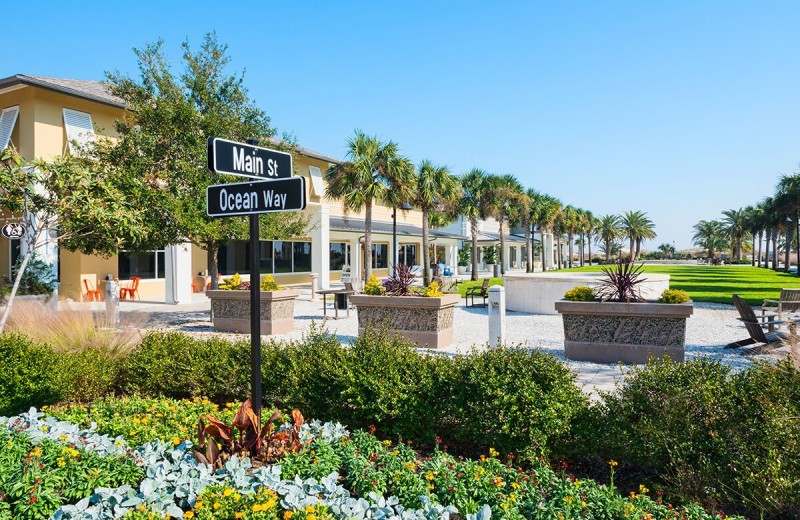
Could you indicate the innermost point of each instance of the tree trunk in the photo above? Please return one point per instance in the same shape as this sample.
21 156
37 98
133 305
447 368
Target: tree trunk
797 243
559 253
608 249
766 248
502 247
788 248
753 255
528 249
544 251
739 242
638 248
775 249
630 256
368 240
426 257
14 288
570 249
589 245
474 225
212 251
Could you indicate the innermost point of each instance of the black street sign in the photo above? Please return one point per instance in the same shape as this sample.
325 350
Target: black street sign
13 231
246 160
250 198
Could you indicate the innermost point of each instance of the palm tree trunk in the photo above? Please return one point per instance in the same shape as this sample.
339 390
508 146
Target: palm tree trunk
570 249
544 253
558 251
426 256
788 248
766 248
581 250
630 256
589 244
368 240
529 249
638 248
474 225
753 255
502 247
775 249
608 249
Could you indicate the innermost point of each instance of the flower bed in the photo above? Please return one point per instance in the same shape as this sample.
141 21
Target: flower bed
336 475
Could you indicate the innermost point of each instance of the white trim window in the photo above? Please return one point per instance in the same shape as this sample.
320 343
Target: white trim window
80 131
150 265
8 118
317 183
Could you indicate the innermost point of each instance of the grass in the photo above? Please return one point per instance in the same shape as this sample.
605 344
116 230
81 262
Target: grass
462 287
707 283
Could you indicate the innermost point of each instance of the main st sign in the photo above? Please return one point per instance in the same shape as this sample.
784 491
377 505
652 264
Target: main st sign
247 160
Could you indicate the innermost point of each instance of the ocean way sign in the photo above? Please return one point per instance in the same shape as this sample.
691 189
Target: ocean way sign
250 198
247 160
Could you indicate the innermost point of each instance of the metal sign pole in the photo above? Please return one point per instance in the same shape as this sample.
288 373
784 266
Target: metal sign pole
255 316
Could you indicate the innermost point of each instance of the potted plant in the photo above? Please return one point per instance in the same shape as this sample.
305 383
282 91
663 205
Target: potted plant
463 259
423 316
490 258
613 323
230 306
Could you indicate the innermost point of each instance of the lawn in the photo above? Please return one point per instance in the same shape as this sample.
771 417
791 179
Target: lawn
706 283
462 287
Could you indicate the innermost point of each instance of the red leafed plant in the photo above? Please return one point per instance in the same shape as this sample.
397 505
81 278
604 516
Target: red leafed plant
621 283
218 442
400 283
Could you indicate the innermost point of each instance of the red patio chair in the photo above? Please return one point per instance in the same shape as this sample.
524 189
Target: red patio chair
132 290
92 294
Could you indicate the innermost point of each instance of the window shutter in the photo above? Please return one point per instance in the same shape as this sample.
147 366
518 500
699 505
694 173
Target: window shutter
79 130
316 181
7 121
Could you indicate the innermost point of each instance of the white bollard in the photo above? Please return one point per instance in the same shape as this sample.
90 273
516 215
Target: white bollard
497 315
314 287
112 303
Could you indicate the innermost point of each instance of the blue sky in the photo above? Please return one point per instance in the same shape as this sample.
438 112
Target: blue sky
681 109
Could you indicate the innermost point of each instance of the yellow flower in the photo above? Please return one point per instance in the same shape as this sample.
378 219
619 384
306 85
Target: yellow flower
569 500
269 505
430 486
199 506
176 441
239 515
395 453
387 442
493 452
309 509
188 514
257 507
287 515
643 490
45 428
228 492
613 463
515 485
63 437
217 505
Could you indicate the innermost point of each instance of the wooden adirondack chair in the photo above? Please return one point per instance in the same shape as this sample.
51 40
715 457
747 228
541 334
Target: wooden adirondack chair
789 301
763 341
480 292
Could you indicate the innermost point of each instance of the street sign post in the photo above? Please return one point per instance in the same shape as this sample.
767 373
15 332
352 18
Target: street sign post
247 160
273 190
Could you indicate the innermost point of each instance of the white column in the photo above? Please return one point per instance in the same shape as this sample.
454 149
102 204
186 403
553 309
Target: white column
320 246
451 256
178 269
497 315
355 259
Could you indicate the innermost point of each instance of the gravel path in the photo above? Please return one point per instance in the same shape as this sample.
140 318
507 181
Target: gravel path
710 328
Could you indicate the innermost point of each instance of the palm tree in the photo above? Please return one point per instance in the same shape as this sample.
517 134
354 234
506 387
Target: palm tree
436 190
608 231
735 225
474 205
710 235
571 224
373 170
528 219
753 225
591 225
436 220
636 226
668 250
789 195
508 204
546 213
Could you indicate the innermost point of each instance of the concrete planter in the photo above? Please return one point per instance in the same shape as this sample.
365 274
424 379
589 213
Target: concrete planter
425 321
461 269
611 332
231 311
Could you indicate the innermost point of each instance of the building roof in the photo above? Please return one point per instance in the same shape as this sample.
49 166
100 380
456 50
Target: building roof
305 151
486 236
379 226
93 90
99 92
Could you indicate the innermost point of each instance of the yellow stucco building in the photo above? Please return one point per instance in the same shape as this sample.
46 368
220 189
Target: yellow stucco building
40 117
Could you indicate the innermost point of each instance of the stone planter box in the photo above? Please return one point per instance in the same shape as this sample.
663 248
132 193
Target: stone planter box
611 332
231 311
424 321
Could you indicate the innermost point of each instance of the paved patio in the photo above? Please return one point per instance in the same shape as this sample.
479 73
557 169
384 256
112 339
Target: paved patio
710 328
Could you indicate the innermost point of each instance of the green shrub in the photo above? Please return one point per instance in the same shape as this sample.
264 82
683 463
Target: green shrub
711 435
38 278
580 294
674 296
27 375
87 375
176 365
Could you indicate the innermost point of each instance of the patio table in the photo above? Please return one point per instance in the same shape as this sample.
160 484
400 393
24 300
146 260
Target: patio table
335 292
